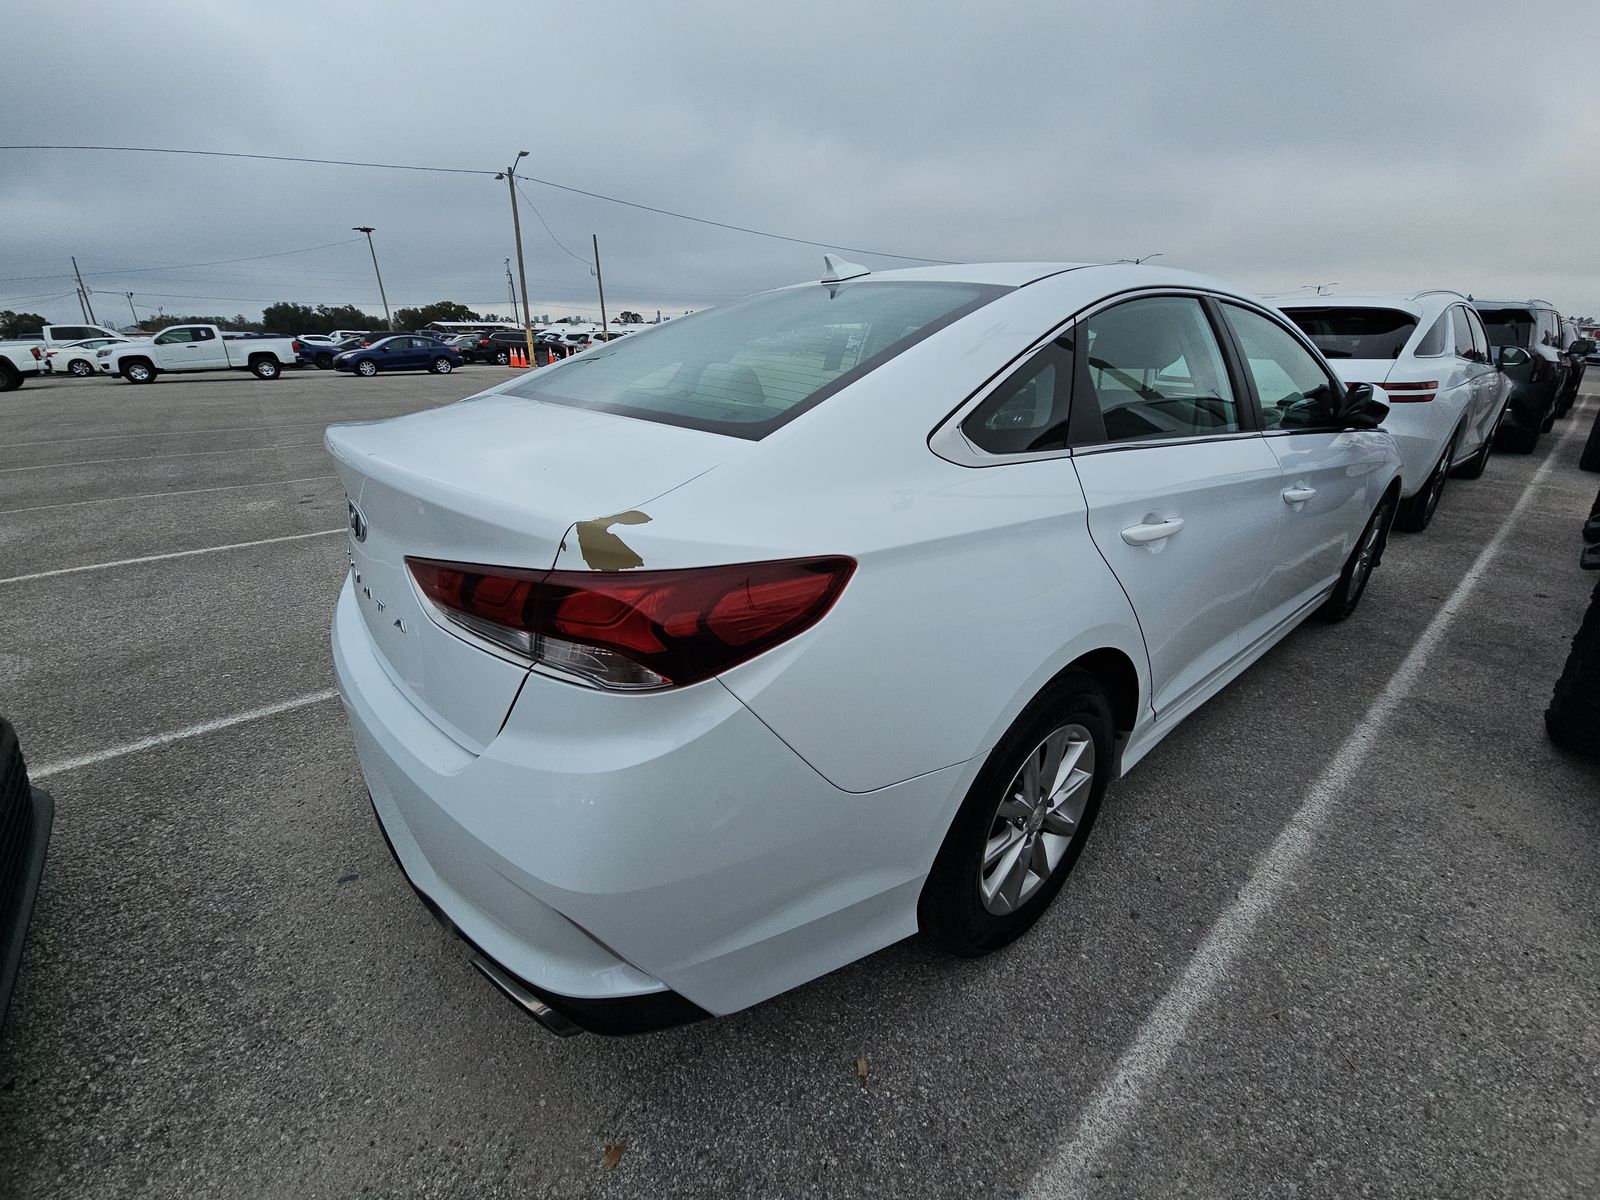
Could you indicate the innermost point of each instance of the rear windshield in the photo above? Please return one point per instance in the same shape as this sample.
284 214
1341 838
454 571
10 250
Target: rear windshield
1508 326
746 368
1356 332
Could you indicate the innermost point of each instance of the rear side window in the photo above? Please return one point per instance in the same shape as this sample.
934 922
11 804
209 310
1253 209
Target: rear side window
1294 390
1156 370
1028 412
747 368
1462 331
1356 332
1438 340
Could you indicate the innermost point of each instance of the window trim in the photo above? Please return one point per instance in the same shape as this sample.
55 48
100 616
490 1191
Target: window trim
1340 388
949 443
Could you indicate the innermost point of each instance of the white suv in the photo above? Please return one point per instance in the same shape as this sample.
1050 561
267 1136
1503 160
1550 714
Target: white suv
1430 353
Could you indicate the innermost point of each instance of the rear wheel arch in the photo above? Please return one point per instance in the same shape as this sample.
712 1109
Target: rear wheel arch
1114 671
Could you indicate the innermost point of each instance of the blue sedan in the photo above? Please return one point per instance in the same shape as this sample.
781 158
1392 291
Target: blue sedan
404 352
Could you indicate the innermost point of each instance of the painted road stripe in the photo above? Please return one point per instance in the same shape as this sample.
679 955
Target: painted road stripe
117 437
179 735
95 462
128 562
1070 1171
227 487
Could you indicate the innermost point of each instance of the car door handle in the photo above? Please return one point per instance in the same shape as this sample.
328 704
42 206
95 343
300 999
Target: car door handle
1154 531
1298 494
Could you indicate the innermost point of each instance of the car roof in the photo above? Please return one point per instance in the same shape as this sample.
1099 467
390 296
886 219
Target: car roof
1530 304
1415 303
1103 278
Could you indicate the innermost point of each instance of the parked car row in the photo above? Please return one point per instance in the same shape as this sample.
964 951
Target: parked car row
901 571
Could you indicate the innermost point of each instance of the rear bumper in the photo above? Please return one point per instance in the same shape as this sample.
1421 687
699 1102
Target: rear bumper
664 855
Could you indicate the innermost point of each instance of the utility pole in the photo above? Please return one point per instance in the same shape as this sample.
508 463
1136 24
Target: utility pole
83 294
130 308
601 281
510 176
511 290
367 229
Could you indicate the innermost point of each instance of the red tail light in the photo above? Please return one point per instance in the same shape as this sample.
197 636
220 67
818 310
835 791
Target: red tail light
1401 393
295 346
36 353
637 630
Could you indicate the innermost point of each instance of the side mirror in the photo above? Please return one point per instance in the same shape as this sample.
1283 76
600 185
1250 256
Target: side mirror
1511 356
1362 409
1581 346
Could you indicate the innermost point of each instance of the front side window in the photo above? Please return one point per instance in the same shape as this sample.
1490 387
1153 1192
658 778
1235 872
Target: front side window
1355 331
1480 340
173 336
1156 370
1028 412
1294 390
746 368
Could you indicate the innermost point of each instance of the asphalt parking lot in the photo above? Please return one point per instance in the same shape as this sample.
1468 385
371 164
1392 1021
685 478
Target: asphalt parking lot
1337 936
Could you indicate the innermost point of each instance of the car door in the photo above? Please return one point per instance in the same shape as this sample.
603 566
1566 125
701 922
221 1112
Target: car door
1489 385
1328 474
210 352
1181 489
177 349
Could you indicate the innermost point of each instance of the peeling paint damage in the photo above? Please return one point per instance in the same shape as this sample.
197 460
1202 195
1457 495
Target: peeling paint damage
603 550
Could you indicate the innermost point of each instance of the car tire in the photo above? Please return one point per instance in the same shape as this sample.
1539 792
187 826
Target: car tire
1363 561
1573 718
502 358
1415 514
965 906
82 368
1519 440
366 368
323 362
10 377
265 368
441 366
138 371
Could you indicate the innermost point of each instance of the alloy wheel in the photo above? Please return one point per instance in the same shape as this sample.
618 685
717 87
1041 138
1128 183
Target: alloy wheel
1367 553
1036 819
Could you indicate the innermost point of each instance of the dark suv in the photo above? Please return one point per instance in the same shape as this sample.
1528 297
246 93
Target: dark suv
1577 348
1525 339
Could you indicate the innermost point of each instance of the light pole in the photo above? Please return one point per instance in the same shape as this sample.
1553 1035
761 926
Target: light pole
367 229
510 176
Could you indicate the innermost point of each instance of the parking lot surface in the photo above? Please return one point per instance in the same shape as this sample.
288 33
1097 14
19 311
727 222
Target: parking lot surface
1339 935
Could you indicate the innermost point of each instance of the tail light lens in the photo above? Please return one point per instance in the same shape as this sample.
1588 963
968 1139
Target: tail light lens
36 353
1402 393
639 630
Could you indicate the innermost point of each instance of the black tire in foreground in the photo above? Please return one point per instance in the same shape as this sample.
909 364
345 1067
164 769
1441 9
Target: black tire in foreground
10 377
1024 821
1415 514
1590 459
1573 718
265 368
25 817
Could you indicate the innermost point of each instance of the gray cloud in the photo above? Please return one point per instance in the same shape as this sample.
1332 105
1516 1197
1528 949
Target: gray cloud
1377 145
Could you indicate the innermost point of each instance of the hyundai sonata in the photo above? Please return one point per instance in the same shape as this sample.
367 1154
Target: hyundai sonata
709 660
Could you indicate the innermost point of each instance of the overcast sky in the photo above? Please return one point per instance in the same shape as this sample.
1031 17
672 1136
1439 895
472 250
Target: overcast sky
1375 145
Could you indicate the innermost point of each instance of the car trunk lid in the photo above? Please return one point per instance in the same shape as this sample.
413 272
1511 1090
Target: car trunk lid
497 481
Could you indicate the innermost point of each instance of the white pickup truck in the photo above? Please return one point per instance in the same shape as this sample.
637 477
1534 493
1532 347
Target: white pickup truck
22 357
196 348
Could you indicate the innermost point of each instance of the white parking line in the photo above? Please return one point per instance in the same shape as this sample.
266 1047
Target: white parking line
1070 1171
128 562
178 735
117 437
95 462
227 487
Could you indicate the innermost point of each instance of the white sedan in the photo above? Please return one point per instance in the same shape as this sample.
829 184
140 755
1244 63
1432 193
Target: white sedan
698 665
77 358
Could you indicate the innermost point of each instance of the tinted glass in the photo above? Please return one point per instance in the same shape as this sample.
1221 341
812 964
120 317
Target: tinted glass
1156 370
1438 340
1480 340
1462 332
1294 390
1508 326
1028 412
746 368
1355 332
1549 333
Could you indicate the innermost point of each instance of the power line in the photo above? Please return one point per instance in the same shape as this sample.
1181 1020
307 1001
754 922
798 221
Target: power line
550 231
341 162
188 266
